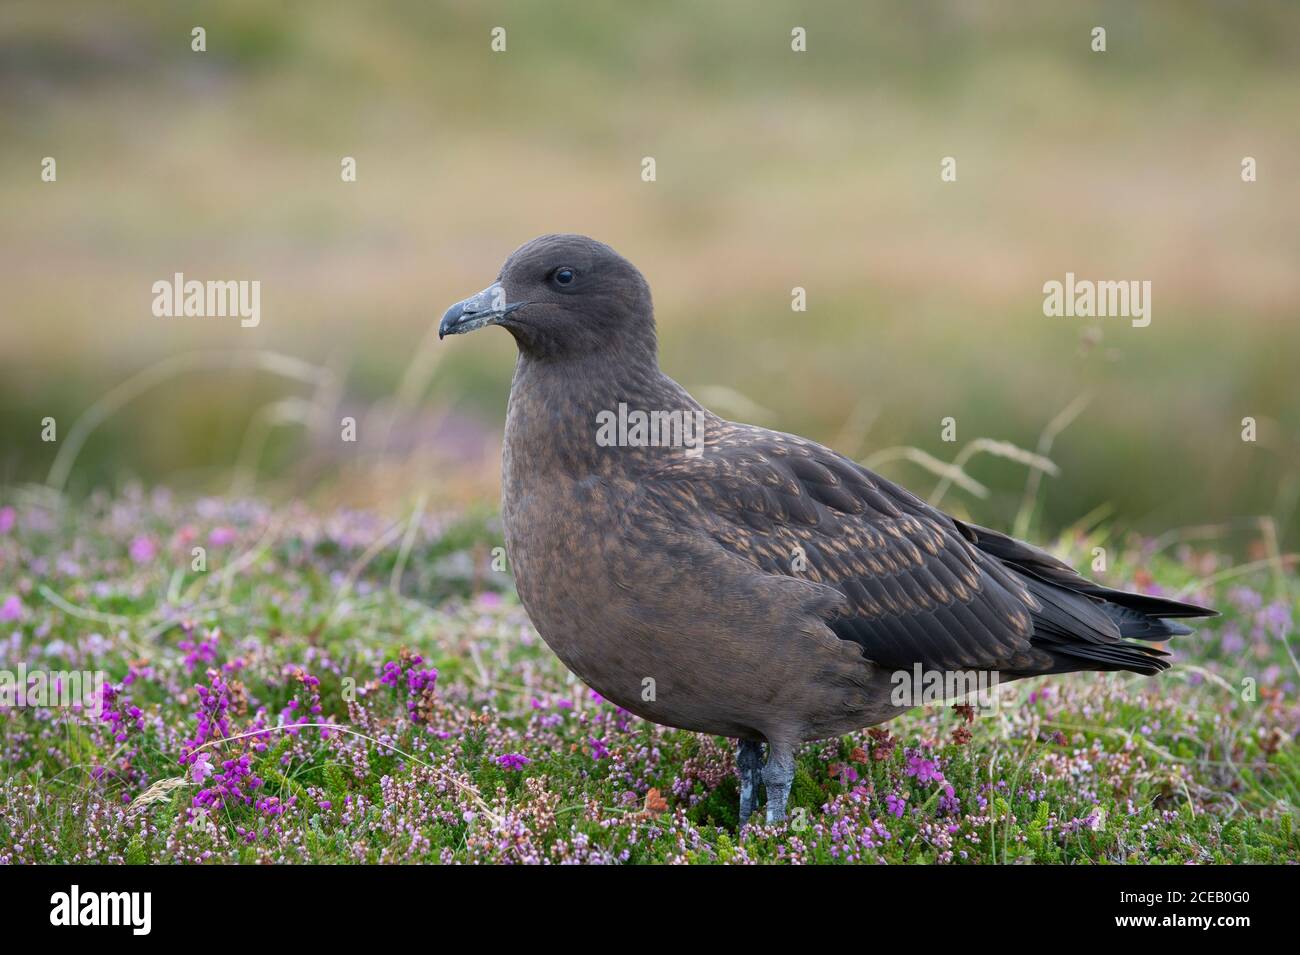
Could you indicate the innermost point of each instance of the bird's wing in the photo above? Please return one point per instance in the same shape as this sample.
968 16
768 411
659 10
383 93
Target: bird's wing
920 588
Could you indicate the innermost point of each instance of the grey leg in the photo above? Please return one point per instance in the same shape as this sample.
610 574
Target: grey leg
749 761
778 774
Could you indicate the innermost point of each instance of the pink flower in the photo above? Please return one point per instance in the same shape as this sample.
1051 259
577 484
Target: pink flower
201 769
512 761
142 549
7 518
222 536
949 802
11 609
924 770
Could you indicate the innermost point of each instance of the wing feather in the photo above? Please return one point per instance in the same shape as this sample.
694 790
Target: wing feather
920 586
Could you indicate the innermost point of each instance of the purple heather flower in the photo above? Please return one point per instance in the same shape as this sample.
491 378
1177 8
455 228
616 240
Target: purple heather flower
598 748
895 804
221 536
1245 599
142 549
7 519
924 770
1276 619
203 650
513 761
11 609
1232 641
417 680
201 769
949 802
393 673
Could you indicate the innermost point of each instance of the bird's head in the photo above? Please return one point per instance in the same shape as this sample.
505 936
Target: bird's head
562 296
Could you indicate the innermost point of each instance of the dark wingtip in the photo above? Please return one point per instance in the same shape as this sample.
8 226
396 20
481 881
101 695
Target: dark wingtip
1154 606
1193 610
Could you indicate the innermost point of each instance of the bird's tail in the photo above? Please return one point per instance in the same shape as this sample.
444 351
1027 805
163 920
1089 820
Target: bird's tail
1081 620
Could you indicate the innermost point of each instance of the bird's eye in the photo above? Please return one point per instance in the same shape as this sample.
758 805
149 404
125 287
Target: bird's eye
563 276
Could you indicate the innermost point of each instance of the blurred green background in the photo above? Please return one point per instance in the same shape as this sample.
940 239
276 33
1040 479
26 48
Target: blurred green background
775 170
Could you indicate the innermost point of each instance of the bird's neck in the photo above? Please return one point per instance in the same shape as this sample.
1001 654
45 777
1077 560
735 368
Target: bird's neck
579 416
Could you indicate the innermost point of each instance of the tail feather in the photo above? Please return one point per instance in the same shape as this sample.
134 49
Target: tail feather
1139 626
1081 623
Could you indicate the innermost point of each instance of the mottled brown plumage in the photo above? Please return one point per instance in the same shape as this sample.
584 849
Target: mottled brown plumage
762 586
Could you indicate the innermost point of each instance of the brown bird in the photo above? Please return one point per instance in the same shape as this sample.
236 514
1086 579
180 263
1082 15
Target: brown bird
731 580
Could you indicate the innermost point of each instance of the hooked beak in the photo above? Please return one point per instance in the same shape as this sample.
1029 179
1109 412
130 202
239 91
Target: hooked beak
488 307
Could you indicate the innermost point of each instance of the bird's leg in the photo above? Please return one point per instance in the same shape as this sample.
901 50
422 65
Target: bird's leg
749 761
778 774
